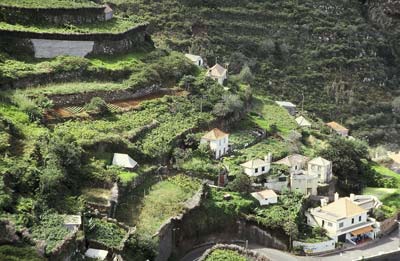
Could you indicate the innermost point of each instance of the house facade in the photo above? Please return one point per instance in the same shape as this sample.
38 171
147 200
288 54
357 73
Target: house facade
265 197
257 167
290 107
108 12
218 141
343 220
295 162
304 183
218 73
195 59
339 129
322 168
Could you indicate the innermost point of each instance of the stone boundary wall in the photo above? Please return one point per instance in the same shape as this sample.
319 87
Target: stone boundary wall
388 225
315 248
58 16
251 255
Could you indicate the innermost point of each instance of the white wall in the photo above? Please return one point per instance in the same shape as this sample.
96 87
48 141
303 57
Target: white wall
51 48
319 247
252 172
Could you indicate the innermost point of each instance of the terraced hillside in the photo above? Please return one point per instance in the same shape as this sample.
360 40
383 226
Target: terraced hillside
328 50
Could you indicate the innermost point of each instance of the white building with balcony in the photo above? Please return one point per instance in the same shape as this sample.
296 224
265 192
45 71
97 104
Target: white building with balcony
343 220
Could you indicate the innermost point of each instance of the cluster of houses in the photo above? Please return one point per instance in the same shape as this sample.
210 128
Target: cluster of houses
345 219
218 72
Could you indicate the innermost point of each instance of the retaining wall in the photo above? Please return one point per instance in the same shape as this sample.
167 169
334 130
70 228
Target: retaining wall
314 248
57 16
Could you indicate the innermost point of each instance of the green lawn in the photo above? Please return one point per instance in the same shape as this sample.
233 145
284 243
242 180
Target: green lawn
118 62
385 171
49 3
127 176
388 196
271 114
165 200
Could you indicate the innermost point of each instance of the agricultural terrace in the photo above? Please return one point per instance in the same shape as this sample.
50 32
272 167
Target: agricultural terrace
49 3
104 232
19 253
164 200
173 116
114 26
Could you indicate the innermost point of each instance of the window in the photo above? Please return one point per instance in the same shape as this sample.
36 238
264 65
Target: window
340 224
359 219
329 224
256 170
263 169
352 221
323 223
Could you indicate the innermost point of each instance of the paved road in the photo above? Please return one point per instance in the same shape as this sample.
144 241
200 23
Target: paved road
386 244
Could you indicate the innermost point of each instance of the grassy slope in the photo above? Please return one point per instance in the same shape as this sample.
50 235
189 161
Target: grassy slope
222 254
325 49
49 3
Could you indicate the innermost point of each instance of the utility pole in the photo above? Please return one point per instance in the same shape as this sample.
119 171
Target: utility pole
302 104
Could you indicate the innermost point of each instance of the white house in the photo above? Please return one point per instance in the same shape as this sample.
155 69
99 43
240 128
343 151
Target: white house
257 167
290 107
97 254
304 183
124 161
108 12
218 73
339 129
303 122
196 59
295 162
322 168
343 220
72 222
265 197
218 142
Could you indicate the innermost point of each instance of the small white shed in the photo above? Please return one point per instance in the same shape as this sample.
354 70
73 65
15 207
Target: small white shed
98 254
266 197
124 161
196 59
303 122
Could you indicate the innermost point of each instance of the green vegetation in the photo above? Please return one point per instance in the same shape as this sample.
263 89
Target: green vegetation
51 229
107 233
225 255
49 3
113 26
382 170
97 195
165 199
19 253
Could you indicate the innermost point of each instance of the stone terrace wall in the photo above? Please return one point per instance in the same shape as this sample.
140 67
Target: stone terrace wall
57 16
49 45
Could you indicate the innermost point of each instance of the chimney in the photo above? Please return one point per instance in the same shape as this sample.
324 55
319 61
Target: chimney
268 158
352 197
336 196
323 202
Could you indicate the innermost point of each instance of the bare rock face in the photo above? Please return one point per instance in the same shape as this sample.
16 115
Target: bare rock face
7 232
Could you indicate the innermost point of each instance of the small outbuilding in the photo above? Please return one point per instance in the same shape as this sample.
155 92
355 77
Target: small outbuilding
108 12
290 107
266 197
124 161
72 222
97 254
339 129
218 73
303 122
196 59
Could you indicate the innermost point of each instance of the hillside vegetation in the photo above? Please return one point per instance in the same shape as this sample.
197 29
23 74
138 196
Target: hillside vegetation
327 50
